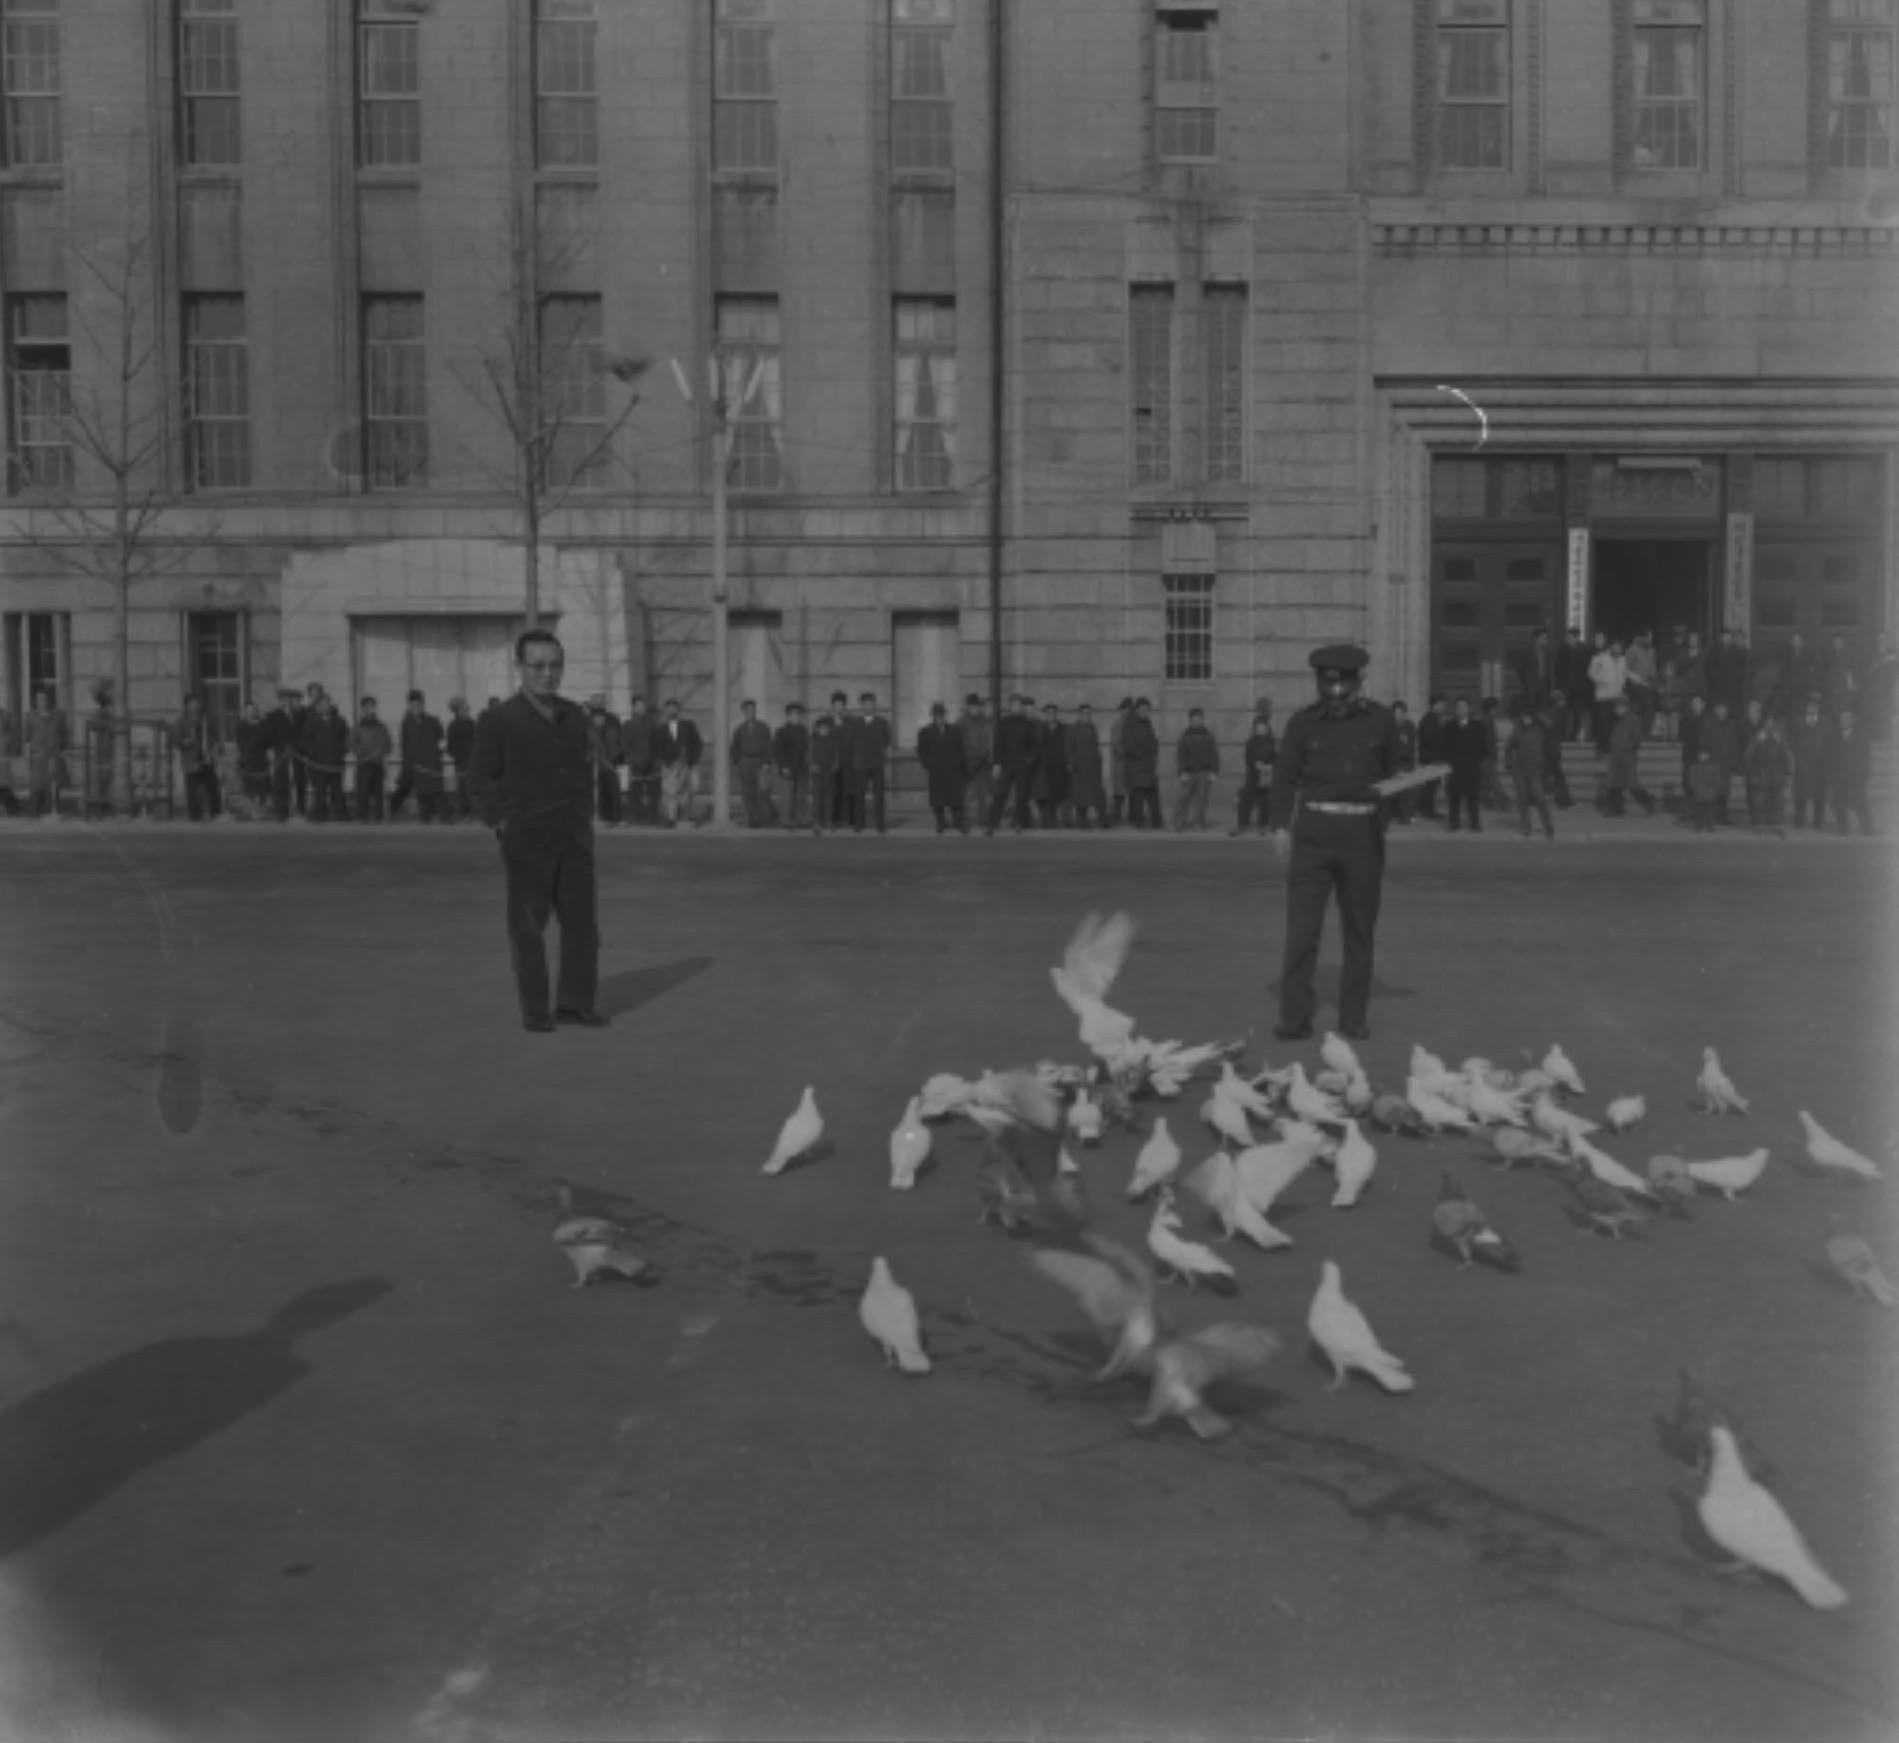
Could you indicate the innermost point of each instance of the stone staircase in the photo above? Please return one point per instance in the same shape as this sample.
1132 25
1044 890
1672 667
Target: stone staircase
1659 768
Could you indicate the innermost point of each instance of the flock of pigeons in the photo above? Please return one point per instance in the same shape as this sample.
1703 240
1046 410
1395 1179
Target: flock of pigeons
1271 1127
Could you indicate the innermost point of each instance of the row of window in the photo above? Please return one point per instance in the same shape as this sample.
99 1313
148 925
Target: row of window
1471 84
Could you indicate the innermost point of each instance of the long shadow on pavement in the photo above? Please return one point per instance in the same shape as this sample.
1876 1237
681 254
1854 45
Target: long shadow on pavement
634 987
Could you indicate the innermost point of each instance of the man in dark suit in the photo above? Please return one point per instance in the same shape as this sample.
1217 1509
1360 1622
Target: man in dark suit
866 753
1536 671
533 785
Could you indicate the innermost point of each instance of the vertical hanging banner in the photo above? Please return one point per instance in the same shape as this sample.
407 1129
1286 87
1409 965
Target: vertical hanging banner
1737 596
1576 600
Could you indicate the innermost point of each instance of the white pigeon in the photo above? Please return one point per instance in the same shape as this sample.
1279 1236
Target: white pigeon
1729 1175
1216 1183
1556 1065
1084 1118
1533 1081
1347 1339
595 1248
1307 1102
1485 1102
1184 1367
1852 1256
1826 1151
1157 1163
1115 1289
1266 1170
1481 1070
1227 1118
1626 1111
909 1147
1745 1520
1425 1063
1089 965
1184 1260
1435 1109
1357 1095
799 1132
1355 1162
1234 1088
1718 1094
1294 1131
1558 1122
889 1314
1606 1168
1338 1053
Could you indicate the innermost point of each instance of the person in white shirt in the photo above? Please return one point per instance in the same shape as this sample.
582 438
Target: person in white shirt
1609 672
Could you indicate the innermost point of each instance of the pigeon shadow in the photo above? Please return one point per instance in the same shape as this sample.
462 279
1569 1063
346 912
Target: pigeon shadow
634 988
1694 1535
68 1446
1678 1444
1830 1277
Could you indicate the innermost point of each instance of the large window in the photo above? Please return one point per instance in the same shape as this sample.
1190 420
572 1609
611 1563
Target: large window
566 92
39 657
214 666
744 87
1151 380
395 394
926 394
1186 84
1188 628
749 376
1668 62
1473 84
218 393
570 339
1859 79
29 82
389 86
921 113
1223 320
208 83
38 394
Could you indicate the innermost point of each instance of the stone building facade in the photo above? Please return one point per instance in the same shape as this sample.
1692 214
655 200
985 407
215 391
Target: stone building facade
1418 321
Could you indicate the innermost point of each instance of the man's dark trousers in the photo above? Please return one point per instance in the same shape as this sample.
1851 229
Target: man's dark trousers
551 875
1012 785
1331 852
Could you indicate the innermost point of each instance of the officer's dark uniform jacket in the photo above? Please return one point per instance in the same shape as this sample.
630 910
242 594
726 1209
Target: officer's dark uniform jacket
532 772
1334 757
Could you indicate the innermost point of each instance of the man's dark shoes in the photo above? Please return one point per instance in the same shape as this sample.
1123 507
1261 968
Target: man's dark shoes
538 1025
1293 1031
581 1019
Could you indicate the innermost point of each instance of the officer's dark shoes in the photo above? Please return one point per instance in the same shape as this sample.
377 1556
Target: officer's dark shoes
581 1019
1292 1031
538 1025
1355 1031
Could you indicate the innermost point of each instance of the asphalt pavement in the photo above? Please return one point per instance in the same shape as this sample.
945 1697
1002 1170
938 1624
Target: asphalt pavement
305 1434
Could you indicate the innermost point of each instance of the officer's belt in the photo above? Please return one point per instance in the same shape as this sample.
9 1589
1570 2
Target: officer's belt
1334 808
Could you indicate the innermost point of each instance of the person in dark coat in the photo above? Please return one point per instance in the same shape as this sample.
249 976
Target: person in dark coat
1848 761
1528 757
325 750
1797 678
196 741
1536 670
1140 762
1465 745
1721 739
1431 750
1196 763
1749 727
458 740
791 756
1014 766
422 741
639 746
1839 679
1117 761
253 761
532 781
1572 678
1051 769
979 754
603 729
678 747
1728 672
866 757
369 748
1694 718
1768 766
827 756
1555 718
1621 777
283 740
940 751
1704 792
1807 741
1257 757
1882 671
1086 791
750 751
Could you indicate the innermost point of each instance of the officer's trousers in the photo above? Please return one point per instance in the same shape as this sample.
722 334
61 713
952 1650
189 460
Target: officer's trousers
551 876
1331 853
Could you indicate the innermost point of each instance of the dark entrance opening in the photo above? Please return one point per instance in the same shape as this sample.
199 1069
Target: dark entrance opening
1653 584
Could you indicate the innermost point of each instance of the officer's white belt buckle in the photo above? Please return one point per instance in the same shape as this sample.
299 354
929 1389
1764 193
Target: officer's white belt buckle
1333 808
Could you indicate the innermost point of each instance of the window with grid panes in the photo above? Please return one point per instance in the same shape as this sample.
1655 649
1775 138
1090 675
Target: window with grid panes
1151 380
214 653
389 88
38 394
926 393
920 108
1188 628
566 92
1186 84
744 87
395 394
29 82
1668 52
208 83
1223 318
1860 42
1473 84
748 349
576 389
218 393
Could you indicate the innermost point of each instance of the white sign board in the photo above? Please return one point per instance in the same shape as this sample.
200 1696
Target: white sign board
1576 601
1737 596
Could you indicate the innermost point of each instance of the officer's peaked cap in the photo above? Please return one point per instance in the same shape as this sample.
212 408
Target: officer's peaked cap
1340 657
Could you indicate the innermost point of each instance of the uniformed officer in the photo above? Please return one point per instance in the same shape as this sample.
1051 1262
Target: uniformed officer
1328 760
